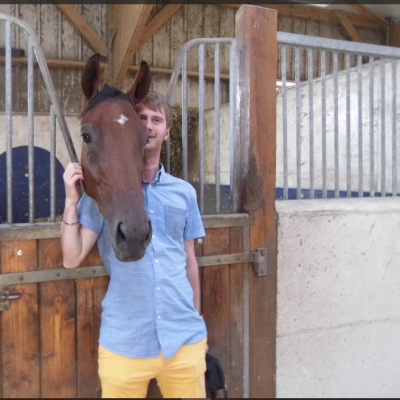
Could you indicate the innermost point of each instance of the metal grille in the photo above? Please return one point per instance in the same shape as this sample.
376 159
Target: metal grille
181 68
33 50
337 126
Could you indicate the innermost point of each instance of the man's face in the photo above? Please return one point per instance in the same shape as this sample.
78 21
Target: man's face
156 123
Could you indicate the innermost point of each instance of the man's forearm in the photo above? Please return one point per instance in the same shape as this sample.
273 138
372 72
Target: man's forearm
71 241
193 277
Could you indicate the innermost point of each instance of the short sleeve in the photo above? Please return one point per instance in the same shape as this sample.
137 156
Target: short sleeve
194 228
89 214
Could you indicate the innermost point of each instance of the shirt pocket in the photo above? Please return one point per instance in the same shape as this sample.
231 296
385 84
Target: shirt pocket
175 221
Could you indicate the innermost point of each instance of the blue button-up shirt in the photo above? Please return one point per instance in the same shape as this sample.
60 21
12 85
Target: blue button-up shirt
149 303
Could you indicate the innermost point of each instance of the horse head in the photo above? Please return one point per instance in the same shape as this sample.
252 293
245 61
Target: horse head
114 139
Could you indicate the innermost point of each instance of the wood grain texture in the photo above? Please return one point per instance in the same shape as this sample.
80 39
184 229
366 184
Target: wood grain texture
236 316
216 299
20 325
89 295
57 327
256 34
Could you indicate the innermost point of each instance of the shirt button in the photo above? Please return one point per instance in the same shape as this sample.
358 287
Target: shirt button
159 317
154 236
156 261
158 289
150 186
151 211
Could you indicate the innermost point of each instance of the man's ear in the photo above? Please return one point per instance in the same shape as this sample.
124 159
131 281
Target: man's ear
141 85
167 135
91 78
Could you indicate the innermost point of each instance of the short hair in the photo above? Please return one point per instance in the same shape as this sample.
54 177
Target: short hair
156 102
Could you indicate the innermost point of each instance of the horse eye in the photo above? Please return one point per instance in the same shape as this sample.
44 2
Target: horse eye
86 137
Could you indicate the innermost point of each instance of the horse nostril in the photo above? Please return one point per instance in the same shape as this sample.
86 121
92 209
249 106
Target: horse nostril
121 238
149 232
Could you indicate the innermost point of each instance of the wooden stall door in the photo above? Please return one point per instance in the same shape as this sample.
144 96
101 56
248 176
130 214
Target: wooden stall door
48 337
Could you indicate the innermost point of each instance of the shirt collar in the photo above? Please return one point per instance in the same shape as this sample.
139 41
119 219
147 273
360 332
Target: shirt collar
160 175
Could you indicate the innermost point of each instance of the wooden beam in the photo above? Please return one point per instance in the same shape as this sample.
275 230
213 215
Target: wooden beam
158 21
87 32
127 22
317 14
394 36
348 26
256 35
369 14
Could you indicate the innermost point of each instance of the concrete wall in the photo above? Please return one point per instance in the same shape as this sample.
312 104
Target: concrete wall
338 324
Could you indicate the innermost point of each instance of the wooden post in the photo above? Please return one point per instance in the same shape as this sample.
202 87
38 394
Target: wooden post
256 34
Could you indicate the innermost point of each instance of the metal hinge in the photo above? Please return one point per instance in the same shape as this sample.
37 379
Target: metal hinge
260 261
5 298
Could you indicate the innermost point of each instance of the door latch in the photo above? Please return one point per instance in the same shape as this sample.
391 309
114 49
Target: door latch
5 298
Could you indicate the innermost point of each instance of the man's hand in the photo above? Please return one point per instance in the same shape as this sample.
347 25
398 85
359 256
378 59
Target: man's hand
72 175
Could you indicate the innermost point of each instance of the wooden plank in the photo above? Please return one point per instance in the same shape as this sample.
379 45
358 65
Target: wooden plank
256 34
57 327
20 326
369 14
236 316
216 299
348 26
314 13
394 36
158 22
82 26
128 21
89 295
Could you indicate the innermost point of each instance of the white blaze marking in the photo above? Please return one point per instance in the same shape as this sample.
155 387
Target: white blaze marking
122 119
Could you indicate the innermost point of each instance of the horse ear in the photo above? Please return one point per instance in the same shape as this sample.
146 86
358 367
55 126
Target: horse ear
141 85
91 77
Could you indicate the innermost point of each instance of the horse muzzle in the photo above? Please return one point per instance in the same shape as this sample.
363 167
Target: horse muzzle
130 237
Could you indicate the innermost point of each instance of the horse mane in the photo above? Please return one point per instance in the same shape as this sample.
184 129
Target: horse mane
107 92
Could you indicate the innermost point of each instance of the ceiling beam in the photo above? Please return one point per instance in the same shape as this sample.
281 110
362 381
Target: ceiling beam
348 26
82 26
127 23
369 14
314 13
158 21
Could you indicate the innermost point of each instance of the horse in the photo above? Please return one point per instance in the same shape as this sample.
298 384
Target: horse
114 138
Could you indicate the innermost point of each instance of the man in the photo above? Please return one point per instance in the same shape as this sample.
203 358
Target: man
150 326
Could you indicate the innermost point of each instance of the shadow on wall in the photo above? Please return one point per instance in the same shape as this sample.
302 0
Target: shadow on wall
21 185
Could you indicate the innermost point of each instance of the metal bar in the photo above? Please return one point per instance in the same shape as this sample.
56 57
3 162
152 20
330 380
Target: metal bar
383 133
394 129
52 164
298 121
186 47
336 120
201 125
31 146
323 108
233 126
360 138
168 155
20 278
47 80
311 117
348 125
371 129
341 46
217 102
284 125
185 117
8 84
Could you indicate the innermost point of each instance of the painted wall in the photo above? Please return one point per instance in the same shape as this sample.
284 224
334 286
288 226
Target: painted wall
338 319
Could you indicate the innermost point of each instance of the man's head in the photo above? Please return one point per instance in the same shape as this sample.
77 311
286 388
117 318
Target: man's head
156 114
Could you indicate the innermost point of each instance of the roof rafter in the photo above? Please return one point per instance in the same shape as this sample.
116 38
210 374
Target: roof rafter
369 14
83 27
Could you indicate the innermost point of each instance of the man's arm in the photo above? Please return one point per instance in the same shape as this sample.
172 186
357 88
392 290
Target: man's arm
76 240
192 272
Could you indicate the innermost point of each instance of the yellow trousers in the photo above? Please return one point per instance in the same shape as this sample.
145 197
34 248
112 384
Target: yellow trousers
181 376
